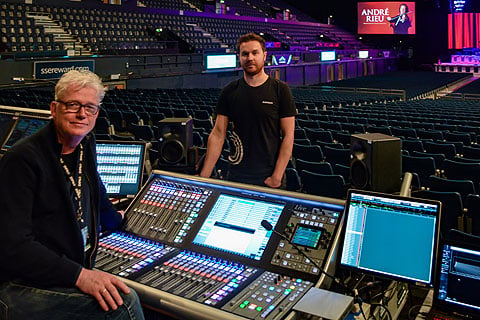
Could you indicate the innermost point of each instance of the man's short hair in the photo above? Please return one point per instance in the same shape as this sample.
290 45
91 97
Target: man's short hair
251 37
77 80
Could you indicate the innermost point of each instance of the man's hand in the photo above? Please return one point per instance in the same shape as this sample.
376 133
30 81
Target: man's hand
103 287
273 182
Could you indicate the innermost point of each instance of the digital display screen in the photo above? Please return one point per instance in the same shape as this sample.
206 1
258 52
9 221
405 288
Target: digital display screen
327 56
391 236
460 278
24 127
307 236
120 166
281 59
220 61
234 226
363 54
386 18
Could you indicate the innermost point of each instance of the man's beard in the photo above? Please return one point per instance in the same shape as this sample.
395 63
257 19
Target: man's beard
255 72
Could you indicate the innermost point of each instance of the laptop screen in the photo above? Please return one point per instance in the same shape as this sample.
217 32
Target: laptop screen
390 236
458 285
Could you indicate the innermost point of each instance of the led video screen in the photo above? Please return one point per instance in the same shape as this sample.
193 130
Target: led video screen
386 17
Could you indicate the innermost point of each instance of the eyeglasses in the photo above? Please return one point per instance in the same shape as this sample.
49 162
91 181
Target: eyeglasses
75 106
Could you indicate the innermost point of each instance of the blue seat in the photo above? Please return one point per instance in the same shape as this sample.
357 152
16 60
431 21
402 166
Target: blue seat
430 134
142 132
337 156
473 214
461 170
448 149
404 132
412 145
332 186
319 135
471 152
452 208
342 170
465 138
316 167
380 129
309 153
423 166
293 180
463 187
300 134
438 157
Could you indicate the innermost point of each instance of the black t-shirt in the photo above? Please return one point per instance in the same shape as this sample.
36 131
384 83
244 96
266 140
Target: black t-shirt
255 113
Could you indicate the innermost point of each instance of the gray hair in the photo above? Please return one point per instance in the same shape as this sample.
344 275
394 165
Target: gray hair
78 80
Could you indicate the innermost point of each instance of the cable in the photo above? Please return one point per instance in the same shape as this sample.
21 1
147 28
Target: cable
374 305
410 316
359 301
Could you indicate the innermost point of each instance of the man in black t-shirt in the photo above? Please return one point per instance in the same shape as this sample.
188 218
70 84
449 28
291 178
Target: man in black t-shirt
262 113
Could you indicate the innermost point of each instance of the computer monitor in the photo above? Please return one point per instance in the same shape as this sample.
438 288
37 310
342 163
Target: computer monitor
327 56
221 61
390 236
456 291
24 126
234 226
120 166
363 54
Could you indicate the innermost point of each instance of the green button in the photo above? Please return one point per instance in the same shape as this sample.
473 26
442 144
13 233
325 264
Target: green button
259 309
242 306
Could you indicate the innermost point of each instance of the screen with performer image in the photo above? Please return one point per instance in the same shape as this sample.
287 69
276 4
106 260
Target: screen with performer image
386 17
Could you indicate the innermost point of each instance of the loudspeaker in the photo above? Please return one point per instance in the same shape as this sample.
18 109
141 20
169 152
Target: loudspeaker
376 162
175 137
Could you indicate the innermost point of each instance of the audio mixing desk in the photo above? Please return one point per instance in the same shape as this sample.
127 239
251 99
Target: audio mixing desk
196 247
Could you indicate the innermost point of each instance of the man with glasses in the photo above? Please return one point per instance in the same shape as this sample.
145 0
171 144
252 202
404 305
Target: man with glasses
53 206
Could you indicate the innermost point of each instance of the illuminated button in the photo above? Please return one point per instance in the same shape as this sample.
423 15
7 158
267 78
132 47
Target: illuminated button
271 288
243 306
253 306
259 309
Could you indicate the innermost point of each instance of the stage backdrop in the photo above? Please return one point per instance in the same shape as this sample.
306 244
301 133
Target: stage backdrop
463 30
386 18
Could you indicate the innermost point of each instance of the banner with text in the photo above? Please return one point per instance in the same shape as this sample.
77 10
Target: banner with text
55 69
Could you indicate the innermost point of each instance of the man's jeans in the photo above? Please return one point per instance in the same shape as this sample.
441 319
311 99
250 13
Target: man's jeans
27 303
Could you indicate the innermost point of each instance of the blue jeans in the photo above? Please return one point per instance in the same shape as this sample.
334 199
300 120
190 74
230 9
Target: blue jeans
21 302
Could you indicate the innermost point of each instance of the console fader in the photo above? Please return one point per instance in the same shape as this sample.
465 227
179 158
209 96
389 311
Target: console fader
167 210
195 247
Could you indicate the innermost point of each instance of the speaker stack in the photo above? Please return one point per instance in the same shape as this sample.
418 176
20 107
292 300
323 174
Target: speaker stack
175 137
376 162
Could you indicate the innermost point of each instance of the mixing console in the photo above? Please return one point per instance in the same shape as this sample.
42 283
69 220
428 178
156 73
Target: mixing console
198 247
198 277
268 296
125 254
167 210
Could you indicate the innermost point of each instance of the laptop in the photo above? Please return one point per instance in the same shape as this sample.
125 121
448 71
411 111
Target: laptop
457 290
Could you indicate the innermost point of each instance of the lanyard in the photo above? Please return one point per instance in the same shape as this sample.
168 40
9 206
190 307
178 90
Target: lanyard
77 185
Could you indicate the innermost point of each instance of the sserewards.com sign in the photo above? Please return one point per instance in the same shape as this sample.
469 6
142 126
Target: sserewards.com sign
55 69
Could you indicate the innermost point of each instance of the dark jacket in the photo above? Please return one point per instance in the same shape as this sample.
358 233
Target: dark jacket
40 240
